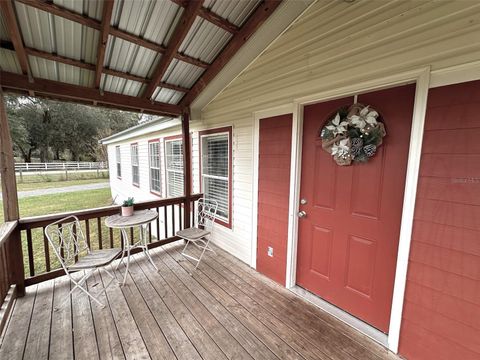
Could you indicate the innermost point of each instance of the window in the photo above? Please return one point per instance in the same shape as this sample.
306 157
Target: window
118 159
154 163
216 170
135 170
174 167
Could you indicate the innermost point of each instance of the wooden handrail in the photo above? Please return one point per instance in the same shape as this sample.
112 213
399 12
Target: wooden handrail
6 230
43 220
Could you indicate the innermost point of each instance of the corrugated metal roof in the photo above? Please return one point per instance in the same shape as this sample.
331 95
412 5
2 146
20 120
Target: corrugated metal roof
151 19
182 74
125 56
9 61
167 96
53 34
90 8
52 70
234 11
122 86
204 40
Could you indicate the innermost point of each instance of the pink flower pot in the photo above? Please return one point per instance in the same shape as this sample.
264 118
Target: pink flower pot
127 210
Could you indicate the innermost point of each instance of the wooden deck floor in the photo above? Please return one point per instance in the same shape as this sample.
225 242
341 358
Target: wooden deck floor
225 310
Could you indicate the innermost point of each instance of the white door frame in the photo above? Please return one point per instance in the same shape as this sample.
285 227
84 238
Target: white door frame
421 77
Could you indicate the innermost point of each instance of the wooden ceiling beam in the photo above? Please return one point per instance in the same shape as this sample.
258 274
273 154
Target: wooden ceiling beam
258 17
75 93
54 9
102 41
222 23
15 35
210 16
81 64
179 34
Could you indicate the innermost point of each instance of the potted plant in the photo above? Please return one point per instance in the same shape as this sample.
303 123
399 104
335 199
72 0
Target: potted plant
127 207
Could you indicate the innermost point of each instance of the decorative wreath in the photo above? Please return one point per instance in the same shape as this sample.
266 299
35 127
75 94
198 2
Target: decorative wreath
353 134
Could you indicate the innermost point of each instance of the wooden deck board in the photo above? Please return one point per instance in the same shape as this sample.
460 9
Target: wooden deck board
223 310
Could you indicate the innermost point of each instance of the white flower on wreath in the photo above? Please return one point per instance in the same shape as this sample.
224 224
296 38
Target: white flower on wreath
365 117
341 148
338 127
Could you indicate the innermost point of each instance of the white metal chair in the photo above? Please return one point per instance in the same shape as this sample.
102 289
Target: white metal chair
68 242
201 234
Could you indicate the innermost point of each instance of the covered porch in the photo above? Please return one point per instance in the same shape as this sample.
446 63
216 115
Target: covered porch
222 310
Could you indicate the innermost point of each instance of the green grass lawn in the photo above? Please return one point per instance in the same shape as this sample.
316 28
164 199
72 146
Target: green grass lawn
45 181
57 203
55 184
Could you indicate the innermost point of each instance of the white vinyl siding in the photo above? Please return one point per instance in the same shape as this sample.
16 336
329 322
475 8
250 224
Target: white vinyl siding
118 159
154 166
174 167
135 168
215 154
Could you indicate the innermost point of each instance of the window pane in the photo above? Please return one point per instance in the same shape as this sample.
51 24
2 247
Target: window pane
216 189
215 155
175 184
134 157
154 161
174 167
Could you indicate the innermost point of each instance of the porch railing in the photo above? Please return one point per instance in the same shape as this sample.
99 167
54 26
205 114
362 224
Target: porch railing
40 263
8 235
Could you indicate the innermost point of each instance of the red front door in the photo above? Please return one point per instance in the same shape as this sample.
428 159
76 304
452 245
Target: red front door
348 241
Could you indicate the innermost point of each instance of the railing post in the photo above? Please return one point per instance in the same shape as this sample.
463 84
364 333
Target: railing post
187 165
10 200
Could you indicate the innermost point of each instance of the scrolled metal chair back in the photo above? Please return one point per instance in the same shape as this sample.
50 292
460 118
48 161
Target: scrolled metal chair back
206 213
67 240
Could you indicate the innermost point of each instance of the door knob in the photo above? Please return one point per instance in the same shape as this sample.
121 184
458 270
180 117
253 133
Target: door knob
301 214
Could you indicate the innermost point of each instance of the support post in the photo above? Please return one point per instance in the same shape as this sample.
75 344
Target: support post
10 201
187 165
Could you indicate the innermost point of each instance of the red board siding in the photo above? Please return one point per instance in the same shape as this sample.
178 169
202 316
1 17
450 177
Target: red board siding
273 193
441 317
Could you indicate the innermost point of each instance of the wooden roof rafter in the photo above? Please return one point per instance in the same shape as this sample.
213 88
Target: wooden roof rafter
102 41
210 16
258 17
179 34
14 31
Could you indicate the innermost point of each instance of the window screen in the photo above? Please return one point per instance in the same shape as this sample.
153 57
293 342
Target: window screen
135 170
215 171
174 167
119 161
154 161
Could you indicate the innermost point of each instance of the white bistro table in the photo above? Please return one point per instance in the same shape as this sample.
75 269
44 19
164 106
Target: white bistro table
139 219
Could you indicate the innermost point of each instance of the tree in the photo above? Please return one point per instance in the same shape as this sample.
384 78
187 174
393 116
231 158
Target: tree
51 129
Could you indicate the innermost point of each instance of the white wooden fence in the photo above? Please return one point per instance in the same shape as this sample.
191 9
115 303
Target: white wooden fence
59 166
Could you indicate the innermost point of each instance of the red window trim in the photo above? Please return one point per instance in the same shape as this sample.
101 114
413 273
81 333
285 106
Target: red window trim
226 129
135 184
116 162
157 193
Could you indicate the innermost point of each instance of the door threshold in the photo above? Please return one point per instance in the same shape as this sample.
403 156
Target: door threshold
342 315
